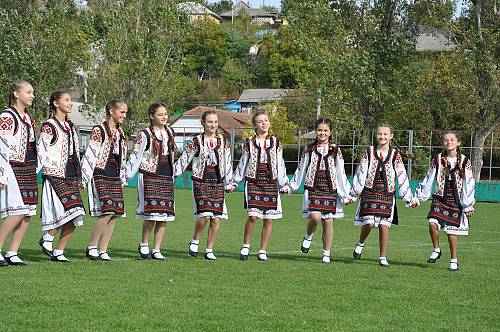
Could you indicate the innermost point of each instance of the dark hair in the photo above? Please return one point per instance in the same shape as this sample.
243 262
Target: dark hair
256 114
332 150
155 143
444 155
205 115
386 125
56 95
254 119
112 105
16 86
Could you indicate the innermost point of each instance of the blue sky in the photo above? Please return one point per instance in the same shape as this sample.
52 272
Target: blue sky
257 3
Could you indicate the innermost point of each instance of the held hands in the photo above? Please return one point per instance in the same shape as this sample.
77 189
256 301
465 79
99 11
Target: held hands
230 188
469 213
285 190
2 186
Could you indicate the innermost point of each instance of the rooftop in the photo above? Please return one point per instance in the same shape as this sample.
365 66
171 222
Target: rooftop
261 95
194 8
227 119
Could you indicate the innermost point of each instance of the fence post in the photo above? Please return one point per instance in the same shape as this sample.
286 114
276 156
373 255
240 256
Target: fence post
299 150
353 152
410 151
491 154
232 145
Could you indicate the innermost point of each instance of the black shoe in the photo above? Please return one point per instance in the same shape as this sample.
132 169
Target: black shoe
191 252
383 262
160 258
210 258
44 250
58 260
3 263
143 256
103 256
355 254
89 256
304 249
9 260
433 260
244 257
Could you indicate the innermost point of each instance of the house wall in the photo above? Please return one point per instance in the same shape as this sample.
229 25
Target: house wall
196 17
262 20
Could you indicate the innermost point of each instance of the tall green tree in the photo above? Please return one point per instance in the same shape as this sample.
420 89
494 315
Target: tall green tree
478 35
138 55
42 42
235 78
207 49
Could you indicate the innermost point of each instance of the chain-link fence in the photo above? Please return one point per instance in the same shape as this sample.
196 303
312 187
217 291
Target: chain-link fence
424 144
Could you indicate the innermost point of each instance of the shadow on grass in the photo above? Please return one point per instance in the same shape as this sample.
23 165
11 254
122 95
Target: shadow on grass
398 263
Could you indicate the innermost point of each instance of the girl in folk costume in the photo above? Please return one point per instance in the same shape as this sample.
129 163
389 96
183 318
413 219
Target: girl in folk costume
103 169
263 168
59 159
212 169
153 157
18 180
375 182
452 198
321 169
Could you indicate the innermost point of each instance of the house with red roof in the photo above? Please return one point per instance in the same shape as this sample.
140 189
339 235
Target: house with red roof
189 124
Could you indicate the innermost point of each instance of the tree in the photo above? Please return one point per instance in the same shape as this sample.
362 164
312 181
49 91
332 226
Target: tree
137 55
235 78
479 44
43 43
206 49
220 7
284 129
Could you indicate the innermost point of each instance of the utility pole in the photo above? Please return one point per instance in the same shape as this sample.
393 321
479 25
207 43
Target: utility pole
318 105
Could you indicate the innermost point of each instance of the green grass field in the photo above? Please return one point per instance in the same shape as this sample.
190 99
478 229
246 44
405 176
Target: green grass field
290 292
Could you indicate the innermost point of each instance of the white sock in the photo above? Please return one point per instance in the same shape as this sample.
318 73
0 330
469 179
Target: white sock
262 252
437 249
195 242
58 252
326 252
308 237
155 251
11 253
207 250
454 260
48 237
